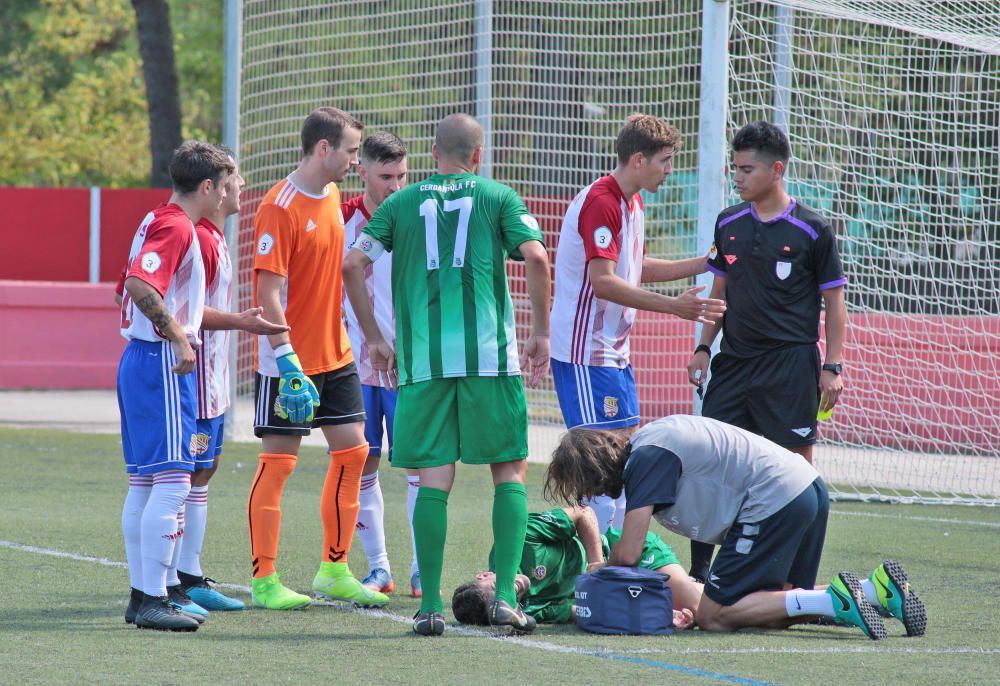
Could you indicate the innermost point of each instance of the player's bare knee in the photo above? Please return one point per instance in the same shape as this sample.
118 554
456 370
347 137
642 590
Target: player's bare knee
201 477
371 464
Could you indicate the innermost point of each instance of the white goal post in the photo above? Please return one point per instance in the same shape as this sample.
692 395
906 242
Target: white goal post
893 111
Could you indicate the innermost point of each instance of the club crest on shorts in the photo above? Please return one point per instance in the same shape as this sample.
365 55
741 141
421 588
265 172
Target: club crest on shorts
782 270
193 444
540 572
201 443
610 406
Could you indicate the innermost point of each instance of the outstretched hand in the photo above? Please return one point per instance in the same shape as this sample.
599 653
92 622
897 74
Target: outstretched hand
683 619
252 321
705 310
535 359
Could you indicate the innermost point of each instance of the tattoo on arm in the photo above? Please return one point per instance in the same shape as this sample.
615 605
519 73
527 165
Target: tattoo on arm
152 306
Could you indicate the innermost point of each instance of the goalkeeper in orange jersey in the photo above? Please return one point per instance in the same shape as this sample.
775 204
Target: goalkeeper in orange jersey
307 378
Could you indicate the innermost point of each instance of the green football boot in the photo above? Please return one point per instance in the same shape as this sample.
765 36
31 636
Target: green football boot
852 608
334 582
269 593
897 598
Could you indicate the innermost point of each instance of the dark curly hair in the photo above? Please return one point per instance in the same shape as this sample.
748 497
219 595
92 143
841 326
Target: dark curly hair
765 139
470 603
585 464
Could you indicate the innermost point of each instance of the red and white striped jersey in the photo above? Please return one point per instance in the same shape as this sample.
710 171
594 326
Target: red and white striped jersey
378 280
165 254
212 363
600 222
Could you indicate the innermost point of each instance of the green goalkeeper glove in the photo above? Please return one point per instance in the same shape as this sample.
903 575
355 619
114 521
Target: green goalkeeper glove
297 395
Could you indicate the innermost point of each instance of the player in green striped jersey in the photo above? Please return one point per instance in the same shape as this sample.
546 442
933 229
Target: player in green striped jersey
459 375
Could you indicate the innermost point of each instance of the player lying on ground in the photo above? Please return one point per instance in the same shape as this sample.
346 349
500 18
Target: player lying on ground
559 545
764 505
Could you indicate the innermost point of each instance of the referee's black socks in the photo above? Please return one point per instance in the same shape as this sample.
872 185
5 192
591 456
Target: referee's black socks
701 560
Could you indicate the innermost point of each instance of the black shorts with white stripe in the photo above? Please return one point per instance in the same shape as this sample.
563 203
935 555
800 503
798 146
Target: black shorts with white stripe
340 402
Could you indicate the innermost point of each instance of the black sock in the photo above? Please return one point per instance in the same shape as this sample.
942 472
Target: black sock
701 560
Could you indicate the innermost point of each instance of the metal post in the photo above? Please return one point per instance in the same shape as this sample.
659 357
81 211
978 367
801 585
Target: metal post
95 234
712 131
784 32
484 80
232 48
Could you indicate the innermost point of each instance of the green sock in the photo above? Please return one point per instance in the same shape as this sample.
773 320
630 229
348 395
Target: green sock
430 528
510 522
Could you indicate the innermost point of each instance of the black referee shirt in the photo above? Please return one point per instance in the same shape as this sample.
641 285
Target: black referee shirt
775 272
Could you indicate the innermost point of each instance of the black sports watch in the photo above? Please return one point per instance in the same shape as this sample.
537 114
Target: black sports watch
834 367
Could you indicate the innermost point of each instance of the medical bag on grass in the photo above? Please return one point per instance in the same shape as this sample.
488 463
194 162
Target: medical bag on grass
624 600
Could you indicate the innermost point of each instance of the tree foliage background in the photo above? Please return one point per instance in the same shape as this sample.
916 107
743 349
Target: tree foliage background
72 95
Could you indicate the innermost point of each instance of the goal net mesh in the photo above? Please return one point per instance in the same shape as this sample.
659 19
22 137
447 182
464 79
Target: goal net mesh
892 111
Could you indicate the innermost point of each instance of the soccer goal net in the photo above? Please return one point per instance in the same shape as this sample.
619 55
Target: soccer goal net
892 110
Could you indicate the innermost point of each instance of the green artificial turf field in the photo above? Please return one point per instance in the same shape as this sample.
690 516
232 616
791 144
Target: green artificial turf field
64 589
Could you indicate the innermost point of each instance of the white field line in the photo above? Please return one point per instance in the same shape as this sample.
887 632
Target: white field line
543 645
915 518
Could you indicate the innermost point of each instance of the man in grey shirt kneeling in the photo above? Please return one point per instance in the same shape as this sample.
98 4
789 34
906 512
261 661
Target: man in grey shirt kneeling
764 505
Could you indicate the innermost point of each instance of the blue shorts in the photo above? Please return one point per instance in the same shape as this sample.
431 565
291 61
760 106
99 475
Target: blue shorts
783 549
210 434
157 409
596 397
379 402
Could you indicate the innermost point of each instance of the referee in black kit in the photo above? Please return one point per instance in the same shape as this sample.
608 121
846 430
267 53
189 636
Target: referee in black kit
773 260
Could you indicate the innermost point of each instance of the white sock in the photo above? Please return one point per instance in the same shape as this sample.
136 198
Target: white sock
195 515
371 520
799 602
172 579
159 528
871 593
619 517
139 486
604 507
412 489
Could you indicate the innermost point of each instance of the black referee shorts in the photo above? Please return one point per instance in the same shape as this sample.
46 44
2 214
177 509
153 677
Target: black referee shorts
775 395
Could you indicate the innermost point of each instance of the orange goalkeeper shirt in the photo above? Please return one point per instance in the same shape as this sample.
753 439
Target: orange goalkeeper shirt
301 237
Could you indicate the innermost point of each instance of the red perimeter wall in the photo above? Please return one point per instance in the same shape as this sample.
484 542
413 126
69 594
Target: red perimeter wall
58 335
928 381
46 231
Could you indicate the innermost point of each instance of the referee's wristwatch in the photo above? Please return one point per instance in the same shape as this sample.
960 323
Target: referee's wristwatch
834 367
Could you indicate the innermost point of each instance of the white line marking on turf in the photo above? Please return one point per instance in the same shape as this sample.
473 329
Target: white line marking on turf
542 645
59 553
812 651
941 520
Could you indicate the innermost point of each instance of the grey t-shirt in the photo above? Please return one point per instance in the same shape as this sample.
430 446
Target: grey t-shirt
701 476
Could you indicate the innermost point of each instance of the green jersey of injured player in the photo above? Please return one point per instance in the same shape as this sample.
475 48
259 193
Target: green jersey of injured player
559 545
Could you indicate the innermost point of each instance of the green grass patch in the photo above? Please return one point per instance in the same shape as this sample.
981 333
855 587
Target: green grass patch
61 619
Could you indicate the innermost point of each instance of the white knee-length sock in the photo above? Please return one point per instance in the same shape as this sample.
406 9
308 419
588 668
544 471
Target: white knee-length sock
619 517
371 522
159 528
604 507
412 490
139 486
172 579
195 518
